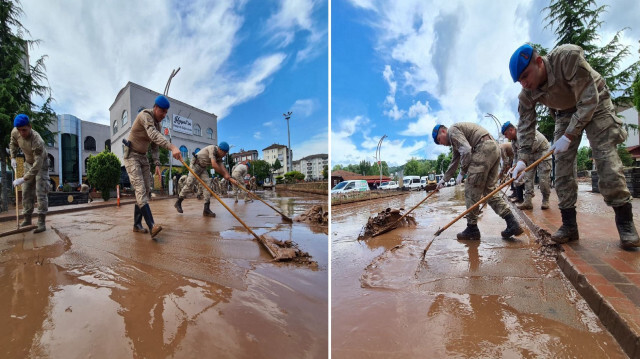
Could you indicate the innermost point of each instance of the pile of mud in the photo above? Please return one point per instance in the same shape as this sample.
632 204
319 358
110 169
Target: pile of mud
286 250
315 215
383 221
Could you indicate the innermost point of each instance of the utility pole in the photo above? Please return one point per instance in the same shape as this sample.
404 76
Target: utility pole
498 124
379 157
174 72
287 116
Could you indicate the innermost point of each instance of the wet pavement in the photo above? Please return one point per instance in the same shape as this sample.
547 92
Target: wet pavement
89 287
490 298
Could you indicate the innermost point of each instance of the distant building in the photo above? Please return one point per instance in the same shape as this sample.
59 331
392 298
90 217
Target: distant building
243 155
191 128
311 166
74 142
277 152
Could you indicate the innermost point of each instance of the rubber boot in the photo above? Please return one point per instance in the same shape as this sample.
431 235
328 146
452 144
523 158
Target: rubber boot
513 227
519 194
207 212
626 227
27 220
526 204
41 223
137 221
545 202
470 233
178 204
569 230
148 218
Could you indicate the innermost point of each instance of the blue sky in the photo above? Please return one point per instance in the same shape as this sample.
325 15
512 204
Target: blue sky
400 67
246 61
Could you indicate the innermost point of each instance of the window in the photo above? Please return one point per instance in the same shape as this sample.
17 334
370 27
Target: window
196 130
125 117
89 144
209 133
51 162
184 151
115 127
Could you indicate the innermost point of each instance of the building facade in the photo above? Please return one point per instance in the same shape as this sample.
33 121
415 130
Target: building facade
190 128
277 152
75 141
243 155
312 166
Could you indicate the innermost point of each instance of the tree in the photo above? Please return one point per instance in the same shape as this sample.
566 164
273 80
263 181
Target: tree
636 93
412 167
293 176
364 168
337 168
375 169
103 172
261 170
20 83
584 159
163 157
625 156
325 171
276 165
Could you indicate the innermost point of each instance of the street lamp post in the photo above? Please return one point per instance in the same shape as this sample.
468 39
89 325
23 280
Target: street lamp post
379 157
497 122
174 72
287 116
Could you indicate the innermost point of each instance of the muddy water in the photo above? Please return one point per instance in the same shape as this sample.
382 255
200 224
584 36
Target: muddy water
89 287
492 298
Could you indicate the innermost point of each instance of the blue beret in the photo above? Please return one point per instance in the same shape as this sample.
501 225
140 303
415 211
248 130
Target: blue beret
435 133
21 120
505 126
519 61
162 102
223 146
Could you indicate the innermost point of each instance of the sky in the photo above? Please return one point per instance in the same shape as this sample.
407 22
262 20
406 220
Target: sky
400 67
247 61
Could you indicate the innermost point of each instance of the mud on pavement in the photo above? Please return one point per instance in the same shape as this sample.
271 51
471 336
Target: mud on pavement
89 287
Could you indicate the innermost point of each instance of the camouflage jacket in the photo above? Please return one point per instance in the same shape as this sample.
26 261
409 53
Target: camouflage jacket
144 131
34 151
464 137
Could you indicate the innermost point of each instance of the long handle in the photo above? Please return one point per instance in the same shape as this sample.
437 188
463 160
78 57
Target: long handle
17 215
485 198
222 203
261 200
404 215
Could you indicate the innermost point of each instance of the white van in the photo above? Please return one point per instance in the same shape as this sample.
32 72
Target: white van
411 182
423 182
350 186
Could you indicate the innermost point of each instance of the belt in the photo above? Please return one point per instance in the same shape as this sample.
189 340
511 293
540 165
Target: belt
484 138
563 113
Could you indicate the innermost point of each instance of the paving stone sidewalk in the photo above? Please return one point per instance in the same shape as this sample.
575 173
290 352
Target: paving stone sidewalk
606 276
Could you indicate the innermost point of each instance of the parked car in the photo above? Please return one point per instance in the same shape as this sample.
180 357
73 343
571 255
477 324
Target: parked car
452 182
350 186
389 185
411 182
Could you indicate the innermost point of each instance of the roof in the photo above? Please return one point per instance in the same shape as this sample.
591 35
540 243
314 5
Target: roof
275 145
310 157
345 174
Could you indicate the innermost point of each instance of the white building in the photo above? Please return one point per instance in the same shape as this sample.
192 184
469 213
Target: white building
277 152
631 117
243 155
191 128
312 166
75 141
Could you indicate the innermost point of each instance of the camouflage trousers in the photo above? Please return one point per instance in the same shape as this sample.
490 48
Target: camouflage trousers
37 187
237 191
191 182
544 175
482 176
604 132
139 172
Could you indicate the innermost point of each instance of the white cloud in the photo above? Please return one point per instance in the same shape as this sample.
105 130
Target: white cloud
390 100
268 124
304 108
313 145
257 135
365 4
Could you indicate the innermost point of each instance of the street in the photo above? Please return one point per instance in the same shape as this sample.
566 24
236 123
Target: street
89 287
491 298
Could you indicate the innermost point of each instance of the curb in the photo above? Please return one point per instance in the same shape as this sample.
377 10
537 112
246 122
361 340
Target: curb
615 310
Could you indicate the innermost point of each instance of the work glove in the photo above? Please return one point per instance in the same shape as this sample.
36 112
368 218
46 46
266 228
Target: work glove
459 178
14 164
561 145
18 181
518 172
441 184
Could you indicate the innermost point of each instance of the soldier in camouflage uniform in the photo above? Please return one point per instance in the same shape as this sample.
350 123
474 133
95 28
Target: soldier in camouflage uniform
209 155
35 180
253 186
507 156
539 149
578 98
478 156
145 130
238 173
